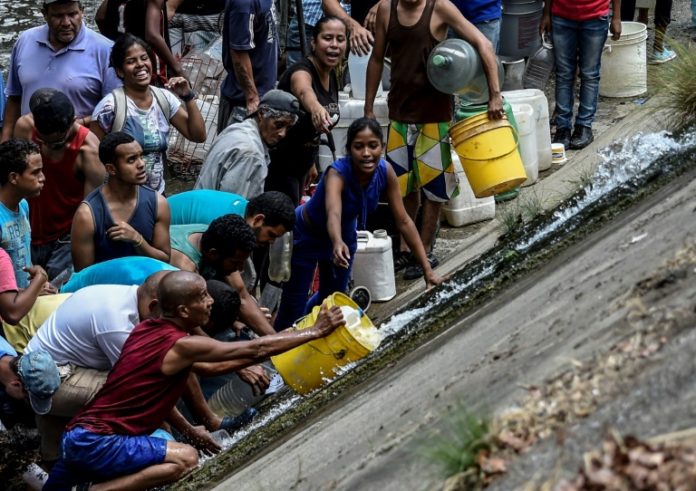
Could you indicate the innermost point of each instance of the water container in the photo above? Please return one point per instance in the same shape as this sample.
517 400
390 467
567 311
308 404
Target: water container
514 71
373 266
236 395
357 66
526 128
314 363
539 67
280 254
519 28
350 110
465 208
624 71
537 100
454 67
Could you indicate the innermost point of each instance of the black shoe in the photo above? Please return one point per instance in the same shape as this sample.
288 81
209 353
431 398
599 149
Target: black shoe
582 136
232 423
562 136
402 259
415 271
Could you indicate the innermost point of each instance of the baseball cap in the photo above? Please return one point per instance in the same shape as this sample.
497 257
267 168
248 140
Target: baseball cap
281 101
40 377
52 110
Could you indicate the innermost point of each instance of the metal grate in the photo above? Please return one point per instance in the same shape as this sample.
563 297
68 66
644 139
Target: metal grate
205 72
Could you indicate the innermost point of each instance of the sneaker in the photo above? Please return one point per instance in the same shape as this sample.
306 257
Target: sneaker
402 259
415 271
562 136
659 57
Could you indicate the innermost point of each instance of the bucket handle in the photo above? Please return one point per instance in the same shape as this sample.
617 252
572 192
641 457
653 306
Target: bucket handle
339 355
515 133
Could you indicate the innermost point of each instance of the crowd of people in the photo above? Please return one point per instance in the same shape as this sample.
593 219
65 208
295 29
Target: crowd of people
158 291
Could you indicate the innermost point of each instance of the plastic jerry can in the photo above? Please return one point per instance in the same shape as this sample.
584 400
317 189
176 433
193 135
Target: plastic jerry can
373 266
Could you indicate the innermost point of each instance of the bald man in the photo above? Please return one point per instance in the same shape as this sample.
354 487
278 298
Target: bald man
110 438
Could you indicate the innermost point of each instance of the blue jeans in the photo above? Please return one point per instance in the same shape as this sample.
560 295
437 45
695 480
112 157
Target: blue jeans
294 303
293 50
577 44
489 28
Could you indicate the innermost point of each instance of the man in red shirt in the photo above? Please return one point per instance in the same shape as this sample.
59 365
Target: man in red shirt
578 30
110 440
72 169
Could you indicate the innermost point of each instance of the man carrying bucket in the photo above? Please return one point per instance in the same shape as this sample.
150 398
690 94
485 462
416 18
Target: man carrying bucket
418 143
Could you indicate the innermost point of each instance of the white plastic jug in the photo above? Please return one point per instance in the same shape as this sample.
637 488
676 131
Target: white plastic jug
465 208
357 66
373 266
526 128
538 101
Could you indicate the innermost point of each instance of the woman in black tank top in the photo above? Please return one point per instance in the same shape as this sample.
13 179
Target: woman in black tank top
313 81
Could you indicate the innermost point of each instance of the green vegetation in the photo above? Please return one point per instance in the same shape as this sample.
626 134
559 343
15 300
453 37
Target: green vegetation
455 449
676 81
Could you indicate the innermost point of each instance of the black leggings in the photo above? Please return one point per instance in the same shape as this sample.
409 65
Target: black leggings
663 12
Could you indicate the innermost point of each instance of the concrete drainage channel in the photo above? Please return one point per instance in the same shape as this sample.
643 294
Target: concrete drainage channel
618 185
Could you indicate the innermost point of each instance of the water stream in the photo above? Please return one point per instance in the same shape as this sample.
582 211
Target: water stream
629 171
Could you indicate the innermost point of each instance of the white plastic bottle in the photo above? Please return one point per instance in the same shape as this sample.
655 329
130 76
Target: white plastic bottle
280 254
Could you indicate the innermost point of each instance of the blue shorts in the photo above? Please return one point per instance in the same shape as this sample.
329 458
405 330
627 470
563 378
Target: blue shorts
87 456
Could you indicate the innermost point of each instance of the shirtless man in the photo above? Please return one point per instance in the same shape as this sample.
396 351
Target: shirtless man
72 170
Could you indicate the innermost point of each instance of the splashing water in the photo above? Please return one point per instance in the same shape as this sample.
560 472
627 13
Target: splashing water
618 167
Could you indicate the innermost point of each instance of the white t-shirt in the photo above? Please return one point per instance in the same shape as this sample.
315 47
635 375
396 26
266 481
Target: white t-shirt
148 126
90 327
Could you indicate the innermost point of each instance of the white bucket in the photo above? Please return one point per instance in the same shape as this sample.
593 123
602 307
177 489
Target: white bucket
526 128
351 109
373 266
538 101
357 66
624 64
465 208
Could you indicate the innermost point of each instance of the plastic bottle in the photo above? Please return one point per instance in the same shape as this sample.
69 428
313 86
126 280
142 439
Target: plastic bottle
280 254
539 67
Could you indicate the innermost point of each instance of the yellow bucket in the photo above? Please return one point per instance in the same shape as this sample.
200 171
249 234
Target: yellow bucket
313 364
489 154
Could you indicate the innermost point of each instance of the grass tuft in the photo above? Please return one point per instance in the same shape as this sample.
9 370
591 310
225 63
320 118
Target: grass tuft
676 81
456 447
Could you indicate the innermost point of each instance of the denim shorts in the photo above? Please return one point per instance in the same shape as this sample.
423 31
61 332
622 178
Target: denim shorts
109 456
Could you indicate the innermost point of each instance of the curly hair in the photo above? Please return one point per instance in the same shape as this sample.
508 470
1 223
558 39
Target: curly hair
276 207
107 147
14 154
228 234
226 304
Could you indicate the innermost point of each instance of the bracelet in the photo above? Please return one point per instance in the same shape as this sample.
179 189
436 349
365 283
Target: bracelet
140 242
188 97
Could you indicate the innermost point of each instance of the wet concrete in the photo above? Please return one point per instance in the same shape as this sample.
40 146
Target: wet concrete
568 309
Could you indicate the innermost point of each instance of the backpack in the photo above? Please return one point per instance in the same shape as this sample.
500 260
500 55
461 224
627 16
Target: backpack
121 106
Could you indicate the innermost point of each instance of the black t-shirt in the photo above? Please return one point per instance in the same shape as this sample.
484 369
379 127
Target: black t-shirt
296 153
359 9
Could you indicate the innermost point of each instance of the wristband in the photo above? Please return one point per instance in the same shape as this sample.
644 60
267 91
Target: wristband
188 97
140 242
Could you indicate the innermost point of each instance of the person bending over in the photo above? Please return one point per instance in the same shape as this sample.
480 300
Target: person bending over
109 439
